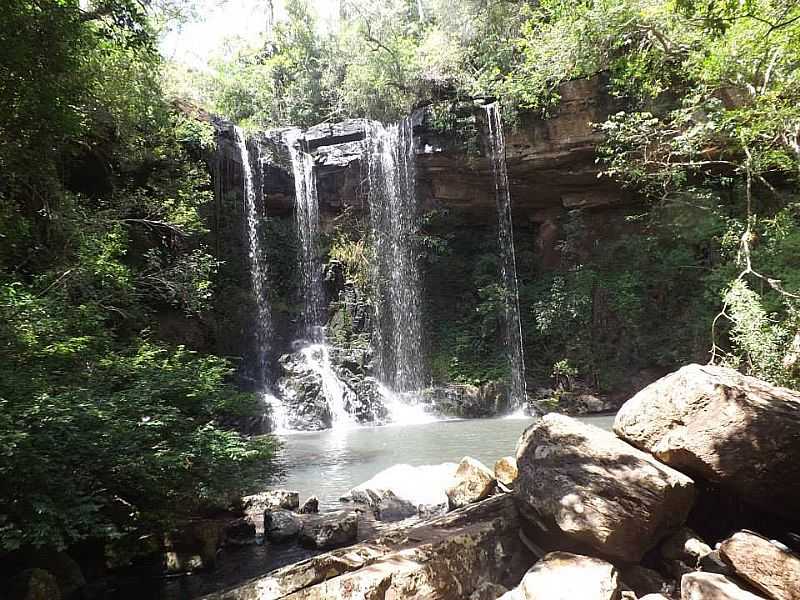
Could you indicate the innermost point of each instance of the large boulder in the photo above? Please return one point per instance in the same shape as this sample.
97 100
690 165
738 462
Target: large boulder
420 489
329 530
719 425
764 564
712 586
446 558
599 490
281 525
473 481
565 576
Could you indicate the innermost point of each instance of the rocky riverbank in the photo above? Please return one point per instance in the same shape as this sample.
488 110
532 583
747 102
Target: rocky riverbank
693 496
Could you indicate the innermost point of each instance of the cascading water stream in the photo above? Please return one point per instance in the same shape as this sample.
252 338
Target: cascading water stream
315 352
307 220
394 221
508 263
258 280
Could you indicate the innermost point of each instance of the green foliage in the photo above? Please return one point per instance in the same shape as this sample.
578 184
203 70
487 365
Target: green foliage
105 430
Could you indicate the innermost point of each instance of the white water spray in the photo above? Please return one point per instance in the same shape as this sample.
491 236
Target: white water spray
394 220
259 285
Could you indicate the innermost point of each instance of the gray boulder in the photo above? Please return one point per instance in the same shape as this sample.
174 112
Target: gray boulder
716 424
599 490
329 530
281 525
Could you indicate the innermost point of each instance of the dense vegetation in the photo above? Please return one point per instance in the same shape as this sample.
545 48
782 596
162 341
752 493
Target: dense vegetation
106 431
708 135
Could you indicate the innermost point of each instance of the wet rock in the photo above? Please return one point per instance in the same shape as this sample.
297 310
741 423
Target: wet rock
711 586
447 558
505 471
717 424
565 576
310 506
765 565
473 481
468 401
33 584
240 532
685 545
281 525
599 490
329 530
423 487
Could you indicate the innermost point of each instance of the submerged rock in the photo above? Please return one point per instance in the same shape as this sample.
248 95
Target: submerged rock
722 426
599 490
329 530
446 558
424 488
473 481
565 576
763 564
711 586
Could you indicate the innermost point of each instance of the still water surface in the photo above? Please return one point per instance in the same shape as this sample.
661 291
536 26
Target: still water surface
327 464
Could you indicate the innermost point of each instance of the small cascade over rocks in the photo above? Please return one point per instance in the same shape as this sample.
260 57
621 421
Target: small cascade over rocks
319 397
259 284
394 223
508 263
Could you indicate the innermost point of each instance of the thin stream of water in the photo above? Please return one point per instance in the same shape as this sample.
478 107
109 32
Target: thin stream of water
508 261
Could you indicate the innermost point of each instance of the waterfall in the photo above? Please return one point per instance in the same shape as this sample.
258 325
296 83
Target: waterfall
307 218
318 360
258 280
508 264
316 352
394 222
